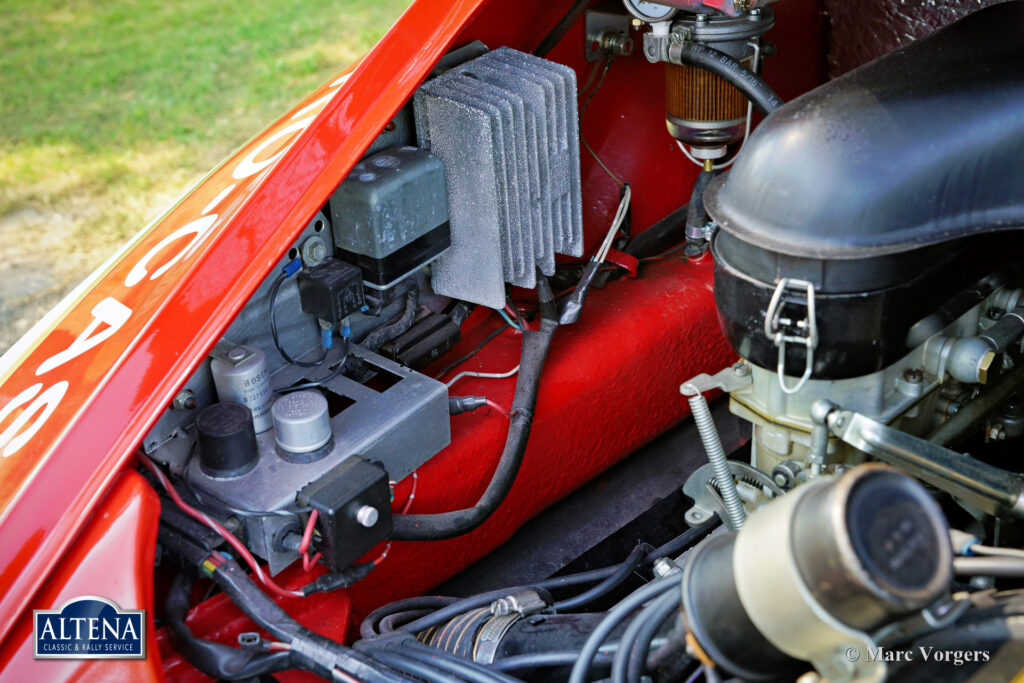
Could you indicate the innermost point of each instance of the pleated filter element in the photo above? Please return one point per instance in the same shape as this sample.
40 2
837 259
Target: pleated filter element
505 125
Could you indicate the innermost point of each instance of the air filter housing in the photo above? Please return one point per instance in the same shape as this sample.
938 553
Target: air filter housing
505 126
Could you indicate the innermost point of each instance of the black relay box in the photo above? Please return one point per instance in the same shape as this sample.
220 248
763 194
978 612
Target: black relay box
331 291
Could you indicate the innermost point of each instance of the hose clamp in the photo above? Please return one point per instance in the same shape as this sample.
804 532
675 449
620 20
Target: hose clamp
489 638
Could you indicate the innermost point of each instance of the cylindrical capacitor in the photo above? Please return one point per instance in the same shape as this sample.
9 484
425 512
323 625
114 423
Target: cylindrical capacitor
241 376
227 441
302 424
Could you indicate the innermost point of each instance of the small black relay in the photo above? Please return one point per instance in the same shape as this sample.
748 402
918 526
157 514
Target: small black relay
331 291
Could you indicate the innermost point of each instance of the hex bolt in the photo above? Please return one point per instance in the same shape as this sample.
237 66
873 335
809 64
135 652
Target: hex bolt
367 516
314 251
741 369
185 400
664 566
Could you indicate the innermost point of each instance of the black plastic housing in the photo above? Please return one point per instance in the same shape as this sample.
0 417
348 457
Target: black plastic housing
424 342
867 311
338 497
892 189
331 291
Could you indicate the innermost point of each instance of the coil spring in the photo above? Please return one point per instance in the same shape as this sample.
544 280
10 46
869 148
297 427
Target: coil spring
716 456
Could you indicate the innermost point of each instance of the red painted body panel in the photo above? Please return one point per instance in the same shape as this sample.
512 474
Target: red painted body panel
611 383
112 558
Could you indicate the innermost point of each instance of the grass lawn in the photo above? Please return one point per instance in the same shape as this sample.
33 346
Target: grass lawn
109 109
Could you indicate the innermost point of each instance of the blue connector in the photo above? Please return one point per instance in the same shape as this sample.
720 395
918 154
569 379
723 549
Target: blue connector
326 338
292 267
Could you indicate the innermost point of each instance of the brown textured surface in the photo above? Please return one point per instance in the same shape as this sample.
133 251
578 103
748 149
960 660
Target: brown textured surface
865 29
698 95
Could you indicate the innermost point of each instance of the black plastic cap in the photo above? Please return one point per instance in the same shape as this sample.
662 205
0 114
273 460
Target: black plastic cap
227 440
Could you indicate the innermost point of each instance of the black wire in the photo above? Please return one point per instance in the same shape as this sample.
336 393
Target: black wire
631 655
558 32
586 103
537 660
476 349
452 664
410 666
274 289
368 628
608 585
520 319
688 538
318 383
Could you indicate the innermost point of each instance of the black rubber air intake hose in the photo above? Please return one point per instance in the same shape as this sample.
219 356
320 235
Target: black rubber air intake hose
430 527
730 69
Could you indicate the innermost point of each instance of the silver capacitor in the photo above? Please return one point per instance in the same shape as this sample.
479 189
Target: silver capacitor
302 423
240 375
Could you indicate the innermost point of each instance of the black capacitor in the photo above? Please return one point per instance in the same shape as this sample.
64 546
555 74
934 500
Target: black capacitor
227 440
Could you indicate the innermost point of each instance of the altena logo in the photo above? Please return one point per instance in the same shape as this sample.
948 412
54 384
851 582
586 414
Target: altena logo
89 628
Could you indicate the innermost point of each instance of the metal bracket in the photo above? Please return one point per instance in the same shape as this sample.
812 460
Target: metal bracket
737 376
777 329
230 353
701 487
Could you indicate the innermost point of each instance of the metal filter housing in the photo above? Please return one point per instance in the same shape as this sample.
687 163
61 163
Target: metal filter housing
302 423
701 109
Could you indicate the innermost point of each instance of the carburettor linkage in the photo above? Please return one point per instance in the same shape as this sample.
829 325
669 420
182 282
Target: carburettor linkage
989 488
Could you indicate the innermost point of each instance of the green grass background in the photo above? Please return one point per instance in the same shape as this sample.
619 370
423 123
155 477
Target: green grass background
109 109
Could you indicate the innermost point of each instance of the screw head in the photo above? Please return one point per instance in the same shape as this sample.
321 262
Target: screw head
913 375
367 516
236 353
741 369
780 479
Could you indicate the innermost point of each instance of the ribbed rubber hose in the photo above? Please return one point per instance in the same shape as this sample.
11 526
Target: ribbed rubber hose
432 527
731 70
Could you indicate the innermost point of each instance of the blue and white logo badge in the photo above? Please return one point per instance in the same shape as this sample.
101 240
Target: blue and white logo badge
89 628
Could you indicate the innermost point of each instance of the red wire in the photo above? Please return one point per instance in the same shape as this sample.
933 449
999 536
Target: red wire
498 408
412 494
515 316
242 551
307 538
